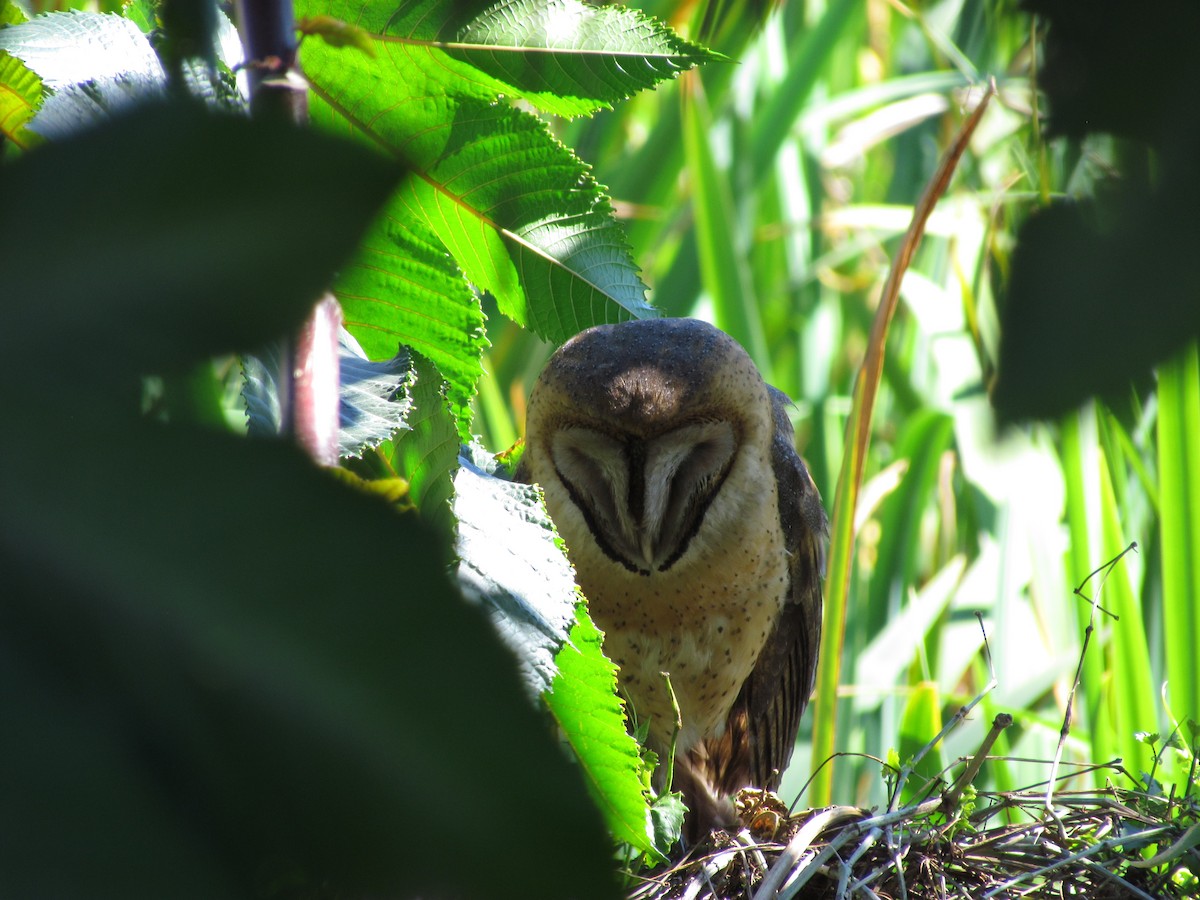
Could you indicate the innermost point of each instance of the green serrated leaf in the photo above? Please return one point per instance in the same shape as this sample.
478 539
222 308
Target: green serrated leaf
20 96
584 702
666 815
375 401
11 14
571 58
522 216
101 46
403 287
142 13
562 56
426 455
410 35
511 561
373 405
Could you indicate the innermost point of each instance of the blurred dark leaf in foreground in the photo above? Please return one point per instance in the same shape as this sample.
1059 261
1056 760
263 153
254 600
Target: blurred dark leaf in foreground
224 673
1104 288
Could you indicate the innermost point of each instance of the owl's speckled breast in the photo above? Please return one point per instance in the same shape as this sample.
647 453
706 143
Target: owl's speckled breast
704 620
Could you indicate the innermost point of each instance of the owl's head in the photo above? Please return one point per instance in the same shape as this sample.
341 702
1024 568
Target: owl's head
638 426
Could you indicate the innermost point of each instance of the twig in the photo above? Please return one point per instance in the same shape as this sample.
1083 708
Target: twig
868 842
1092 850
829 761
770 888
897 863
1087 637
797 846
704 876
1104 568
744 838
951 797
958 717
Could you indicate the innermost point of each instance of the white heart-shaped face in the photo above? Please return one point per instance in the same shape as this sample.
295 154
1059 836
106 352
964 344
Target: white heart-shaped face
644 499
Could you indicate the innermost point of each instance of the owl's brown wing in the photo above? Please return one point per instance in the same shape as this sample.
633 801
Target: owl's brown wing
762 725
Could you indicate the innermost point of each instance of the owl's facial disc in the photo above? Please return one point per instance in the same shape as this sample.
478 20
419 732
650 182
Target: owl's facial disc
644 499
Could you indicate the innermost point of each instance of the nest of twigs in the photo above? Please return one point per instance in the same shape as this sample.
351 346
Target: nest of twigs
1103 844
1042 842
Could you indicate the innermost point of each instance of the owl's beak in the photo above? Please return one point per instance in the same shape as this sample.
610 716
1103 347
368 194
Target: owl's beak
648 551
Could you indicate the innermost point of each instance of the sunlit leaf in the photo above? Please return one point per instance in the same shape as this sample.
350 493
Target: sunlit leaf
569 57
512 561
20 96
402 287
374 402
271 675
521 216
585 705
1070 330
425 453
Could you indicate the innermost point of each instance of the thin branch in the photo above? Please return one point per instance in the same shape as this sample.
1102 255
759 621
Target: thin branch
952 796
954 722
1087 637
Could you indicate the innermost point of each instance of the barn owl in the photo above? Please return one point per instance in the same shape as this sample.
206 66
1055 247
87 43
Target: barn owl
697 536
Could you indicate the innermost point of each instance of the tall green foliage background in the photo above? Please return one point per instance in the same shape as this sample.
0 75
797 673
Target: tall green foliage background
768 195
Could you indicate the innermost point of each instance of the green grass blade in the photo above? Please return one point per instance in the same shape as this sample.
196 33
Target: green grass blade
926 437
775 121
1129 700
920 724
858 436
1179 501
1080 477
722 261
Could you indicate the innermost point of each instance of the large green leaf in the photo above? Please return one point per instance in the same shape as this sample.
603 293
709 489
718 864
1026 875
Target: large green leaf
571 58
20 96
374 401
564 57
521 216
403 287
1103 289
78 47
11 14
511 560
1069 329
44 61
585 704
425 454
